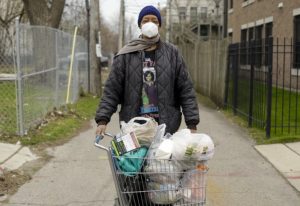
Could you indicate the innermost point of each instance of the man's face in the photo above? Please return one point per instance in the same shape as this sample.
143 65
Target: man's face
150 18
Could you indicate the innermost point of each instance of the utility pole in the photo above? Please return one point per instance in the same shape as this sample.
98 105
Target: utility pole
96 86
168 21
130 32
121 25
87 6
225 19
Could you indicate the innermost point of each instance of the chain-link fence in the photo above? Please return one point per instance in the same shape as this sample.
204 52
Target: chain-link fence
7 80
43 79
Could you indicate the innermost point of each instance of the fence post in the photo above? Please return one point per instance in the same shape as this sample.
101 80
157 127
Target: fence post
235 78
19 92
57 71
252 59
269 86
227 72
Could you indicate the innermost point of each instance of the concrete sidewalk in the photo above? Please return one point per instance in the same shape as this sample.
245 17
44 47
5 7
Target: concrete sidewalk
13 156
238 174
284 157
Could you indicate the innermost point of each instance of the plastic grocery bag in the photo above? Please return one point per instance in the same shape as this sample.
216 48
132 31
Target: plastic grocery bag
163 171
193 186
144 129
158 138
191 148
163 193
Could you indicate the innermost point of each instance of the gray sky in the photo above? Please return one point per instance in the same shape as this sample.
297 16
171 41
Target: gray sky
110 9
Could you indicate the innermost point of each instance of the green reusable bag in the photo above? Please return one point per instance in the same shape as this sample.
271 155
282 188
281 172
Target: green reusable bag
130 163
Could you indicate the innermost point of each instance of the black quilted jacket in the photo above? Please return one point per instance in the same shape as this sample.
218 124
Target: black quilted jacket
174 87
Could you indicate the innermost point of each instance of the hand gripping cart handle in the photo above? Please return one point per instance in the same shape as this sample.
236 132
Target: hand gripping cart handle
111 164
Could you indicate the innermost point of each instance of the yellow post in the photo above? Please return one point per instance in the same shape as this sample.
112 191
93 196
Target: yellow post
71 65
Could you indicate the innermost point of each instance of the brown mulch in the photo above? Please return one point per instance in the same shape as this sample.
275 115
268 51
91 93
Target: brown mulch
10 181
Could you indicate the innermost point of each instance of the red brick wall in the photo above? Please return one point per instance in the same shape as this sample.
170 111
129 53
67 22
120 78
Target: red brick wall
261 9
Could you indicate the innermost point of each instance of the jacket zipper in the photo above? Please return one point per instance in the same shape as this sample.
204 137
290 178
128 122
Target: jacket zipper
156 71
142 55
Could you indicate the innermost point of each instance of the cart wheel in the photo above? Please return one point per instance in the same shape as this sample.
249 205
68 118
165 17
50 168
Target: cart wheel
117 203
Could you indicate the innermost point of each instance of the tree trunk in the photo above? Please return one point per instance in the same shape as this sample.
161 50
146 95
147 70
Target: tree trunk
96 85
43 12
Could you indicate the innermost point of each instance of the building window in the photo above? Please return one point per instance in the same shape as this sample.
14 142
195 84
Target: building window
250 42
243 47
203 12
296 61
182 14
193 14
244 35
204 30
251 34
269 30
258 32
230 6
257 49
230 35
268 35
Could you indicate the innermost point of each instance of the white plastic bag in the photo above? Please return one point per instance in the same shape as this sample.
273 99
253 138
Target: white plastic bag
144 129
158 138
191 148
193 186
163 171
163 193
158 165
164 150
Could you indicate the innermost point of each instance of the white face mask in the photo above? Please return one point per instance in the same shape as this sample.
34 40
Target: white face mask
149 29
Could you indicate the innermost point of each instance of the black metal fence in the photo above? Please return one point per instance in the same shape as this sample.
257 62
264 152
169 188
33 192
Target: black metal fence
263 83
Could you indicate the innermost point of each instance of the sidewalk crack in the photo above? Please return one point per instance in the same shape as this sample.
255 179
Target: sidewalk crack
292 149
9 157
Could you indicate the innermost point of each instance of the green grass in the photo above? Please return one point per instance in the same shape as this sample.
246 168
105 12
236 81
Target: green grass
259 134
285 116
61 128
57 129
8 116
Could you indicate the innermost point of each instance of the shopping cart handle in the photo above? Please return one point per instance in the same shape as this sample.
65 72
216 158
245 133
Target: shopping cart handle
98 138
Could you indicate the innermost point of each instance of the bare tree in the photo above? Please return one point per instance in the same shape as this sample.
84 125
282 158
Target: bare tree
109 38
9 10
75 14
44 12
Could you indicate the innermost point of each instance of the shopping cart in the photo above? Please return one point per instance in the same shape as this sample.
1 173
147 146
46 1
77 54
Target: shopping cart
158 183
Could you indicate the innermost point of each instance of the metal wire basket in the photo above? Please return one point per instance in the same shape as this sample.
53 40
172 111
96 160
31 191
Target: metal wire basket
158 182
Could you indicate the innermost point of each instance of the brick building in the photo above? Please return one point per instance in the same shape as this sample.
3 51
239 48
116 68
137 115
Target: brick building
259 19
203 17
254 19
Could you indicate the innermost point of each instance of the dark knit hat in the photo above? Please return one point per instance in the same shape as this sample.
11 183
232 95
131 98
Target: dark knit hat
149 10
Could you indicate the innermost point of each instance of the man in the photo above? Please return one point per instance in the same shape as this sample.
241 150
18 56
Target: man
149 78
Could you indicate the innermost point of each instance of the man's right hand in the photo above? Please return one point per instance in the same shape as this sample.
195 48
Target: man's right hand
101 129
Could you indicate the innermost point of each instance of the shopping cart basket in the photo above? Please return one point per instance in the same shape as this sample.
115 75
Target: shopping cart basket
158 183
